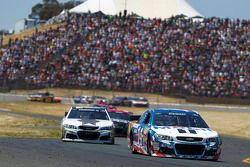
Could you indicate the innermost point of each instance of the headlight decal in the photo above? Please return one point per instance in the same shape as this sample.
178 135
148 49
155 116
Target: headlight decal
70 126
213 141
163 137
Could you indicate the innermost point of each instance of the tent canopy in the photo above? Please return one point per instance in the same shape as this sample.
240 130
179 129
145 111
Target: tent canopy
146 8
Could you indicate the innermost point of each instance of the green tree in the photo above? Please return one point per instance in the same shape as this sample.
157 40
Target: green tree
49 8
49 11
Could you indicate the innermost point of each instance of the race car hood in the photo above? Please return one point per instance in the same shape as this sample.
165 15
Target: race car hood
174 131
88 122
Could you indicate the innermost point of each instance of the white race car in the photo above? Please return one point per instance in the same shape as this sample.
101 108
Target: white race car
174 133
88 124
136 102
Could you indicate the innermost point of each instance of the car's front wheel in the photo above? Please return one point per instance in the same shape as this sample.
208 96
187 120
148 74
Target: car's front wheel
62 134
133 151
149 146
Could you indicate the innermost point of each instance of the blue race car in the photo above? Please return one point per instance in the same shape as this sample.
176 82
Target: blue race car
174 133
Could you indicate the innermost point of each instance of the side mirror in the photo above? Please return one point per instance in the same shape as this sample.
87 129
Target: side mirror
65 114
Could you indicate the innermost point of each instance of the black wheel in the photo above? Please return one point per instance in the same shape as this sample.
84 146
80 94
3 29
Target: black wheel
62 135
113 141
133 151
216 158
149 149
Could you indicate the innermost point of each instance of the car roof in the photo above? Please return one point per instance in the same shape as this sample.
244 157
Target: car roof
173 110
135 97
119 97
83 107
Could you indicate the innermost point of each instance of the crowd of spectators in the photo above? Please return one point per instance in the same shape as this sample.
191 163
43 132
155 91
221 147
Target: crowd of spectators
202 58
24 56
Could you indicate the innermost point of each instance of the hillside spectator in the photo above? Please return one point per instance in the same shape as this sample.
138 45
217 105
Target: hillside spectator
207 58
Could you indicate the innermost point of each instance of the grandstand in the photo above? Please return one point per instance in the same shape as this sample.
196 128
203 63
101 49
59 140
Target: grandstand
177 56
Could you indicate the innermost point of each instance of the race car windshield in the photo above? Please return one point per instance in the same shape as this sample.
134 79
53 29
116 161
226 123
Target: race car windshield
88 114
179 119
115 115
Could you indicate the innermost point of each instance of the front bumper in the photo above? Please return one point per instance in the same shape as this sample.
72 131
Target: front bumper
97 136
194 150
140 104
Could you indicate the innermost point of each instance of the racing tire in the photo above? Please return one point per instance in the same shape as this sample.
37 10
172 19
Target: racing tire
216 159
149 149
113 141
110 143
62 136
217 156
133 151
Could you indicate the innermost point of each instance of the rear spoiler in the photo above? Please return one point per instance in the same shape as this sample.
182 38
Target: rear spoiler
134 117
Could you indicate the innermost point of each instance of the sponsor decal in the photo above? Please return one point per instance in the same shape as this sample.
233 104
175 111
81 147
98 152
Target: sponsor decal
177 114
247 160
145 131
90 110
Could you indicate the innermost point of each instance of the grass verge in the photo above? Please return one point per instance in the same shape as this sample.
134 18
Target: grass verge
13 125
234 124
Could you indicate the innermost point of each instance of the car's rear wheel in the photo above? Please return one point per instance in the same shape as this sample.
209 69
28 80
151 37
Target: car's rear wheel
215 159
113 141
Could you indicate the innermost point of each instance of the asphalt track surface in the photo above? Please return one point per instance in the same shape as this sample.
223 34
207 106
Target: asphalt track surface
16 152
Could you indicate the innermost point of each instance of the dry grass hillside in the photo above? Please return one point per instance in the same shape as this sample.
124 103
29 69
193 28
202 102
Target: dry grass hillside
28 33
